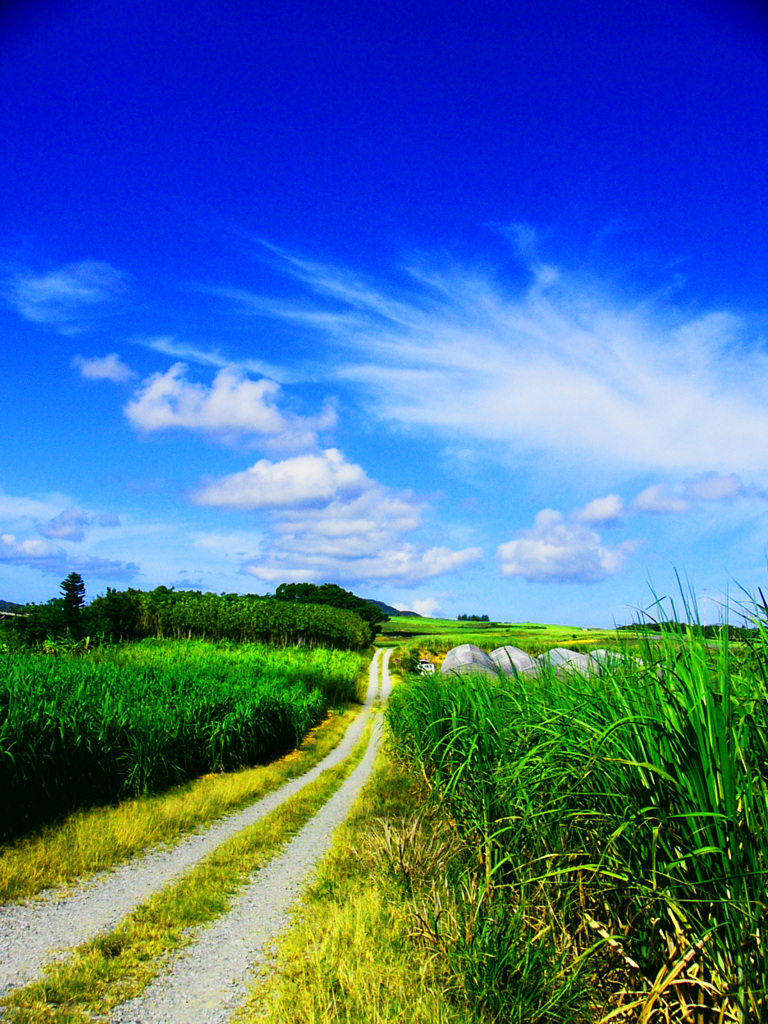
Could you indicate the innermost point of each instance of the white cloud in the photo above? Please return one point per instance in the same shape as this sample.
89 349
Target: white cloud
354 540
557 550
428 607
405 563
561 369
296 481
109 367
168 400
659 499
67 298
29 551
704 487
602 510
233 405
67 525
714 487
14 508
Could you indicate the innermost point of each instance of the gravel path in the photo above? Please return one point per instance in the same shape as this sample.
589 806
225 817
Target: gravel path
208 980
33 933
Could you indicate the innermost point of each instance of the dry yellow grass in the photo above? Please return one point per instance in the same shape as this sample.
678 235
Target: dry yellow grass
349 956
113 968
95 839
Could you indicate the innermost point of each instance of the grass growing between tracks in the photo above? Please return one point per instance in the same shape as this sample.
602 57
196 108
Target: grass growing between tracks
350 956
116 967
92 840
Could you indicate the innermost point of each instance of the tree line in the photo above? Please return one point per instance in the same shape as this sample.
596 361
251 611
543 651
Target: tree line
305 616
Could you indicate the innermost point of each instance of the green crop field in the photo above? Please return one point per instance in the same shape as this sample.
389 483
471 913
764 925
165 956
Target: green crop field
437 636
140 717
619 824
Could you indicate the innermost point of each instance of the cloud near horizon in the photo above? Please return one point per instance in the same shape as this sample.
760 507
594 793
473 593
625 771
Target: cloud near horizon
428 607
357 540
661 499
50 558
561 550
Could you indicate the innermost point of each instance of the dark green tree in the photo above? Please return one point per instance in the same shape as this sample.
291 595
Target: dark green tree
333 595
73 594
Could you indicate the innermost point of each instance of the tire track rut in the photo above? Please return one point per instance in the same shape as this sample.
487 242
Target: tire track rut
38 931
208 980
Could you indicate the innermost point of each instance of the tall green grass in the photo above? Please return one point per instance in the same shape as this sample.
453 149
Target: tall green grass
75 732
621 824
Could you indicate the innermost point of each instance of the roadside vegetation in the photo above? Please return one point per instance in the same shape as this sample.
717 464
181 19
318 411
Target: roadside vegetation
130 720
358 950
533 850
619 825
118 966
91 840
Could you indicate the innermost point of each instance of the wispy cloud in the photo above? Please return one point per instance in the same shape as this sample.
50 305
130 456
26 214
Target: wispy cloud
288 483
110 367
560 550
103 568
72 523
719 487
67 525
16 508
562 368
67 298
711 488
181 350
660 500
233 405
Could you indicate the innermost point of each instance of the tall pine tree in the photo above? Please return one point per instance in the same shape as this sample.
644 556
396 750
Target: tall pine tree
73 592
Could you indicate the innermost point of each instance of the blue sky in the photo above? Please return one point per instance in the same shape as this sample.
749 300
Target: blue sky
459 306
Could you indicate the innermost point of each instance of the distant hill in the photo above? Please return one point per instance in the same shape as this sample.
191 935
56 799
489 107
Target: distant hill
393 611
9 606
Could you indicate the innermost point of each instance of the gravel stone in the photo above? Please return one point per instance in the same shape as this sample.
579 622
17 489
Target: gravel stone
38 931
205 982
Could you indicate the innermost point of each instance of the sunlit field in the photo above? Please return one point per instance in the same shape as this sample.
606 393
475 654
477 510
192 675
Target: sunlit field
140 717
437 636
619 823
